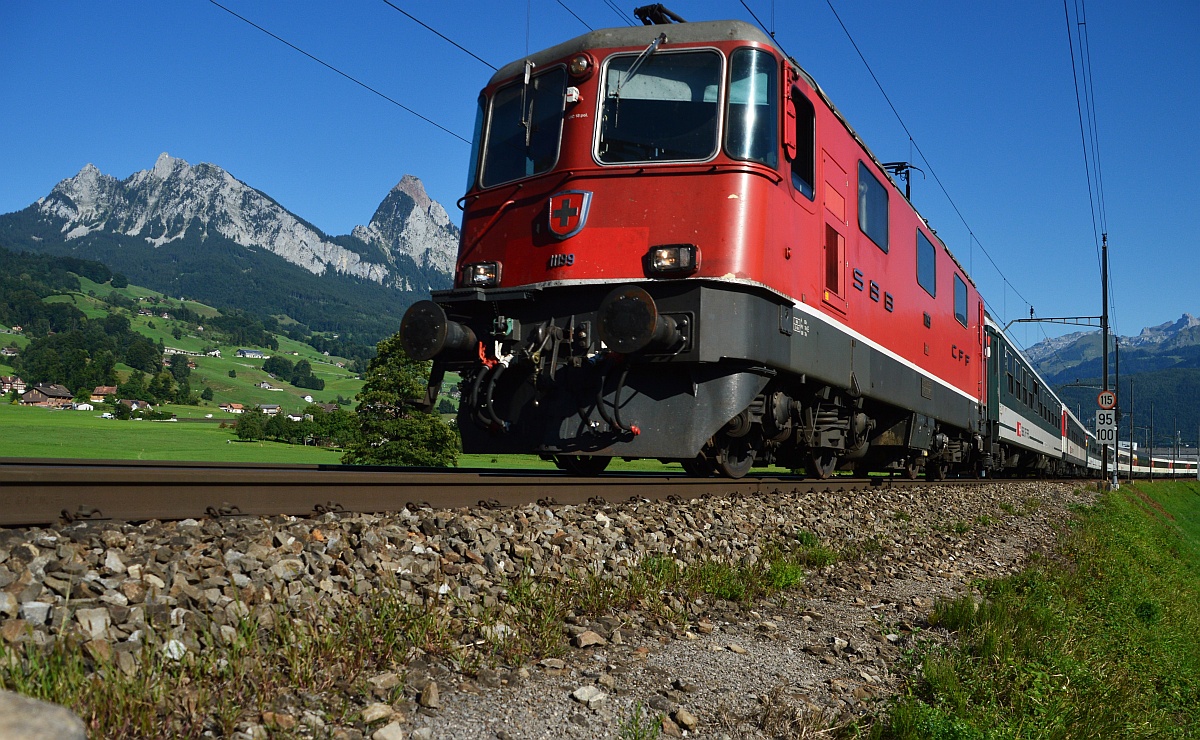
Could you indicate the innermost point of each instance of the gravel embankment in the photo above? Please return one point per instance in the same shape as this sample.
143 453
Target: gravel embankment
822 653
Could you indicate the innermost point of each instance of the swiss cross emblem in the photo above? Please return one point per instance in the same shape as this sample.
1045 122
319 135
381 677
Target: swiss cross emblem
569 212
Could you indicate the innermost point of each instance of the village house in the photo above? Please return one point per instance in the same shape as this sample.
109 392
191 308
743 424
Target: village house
134 404
233 408
47 395
9 351
267 386
328 408
270 409
100 392
306 398
11 382
253 354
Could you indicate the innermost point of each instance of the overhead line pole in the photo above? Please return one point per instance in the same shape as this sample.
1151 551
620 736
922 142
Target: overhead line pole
1104 333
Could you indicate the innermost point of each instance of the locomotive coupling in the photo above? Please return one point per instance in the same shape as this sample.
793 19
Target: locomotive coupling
426 332
628 321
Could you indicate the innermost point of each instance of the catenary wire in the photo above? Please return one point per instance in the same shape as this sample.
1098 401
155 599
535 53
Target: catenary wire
355 80
925 159
572 12
439 34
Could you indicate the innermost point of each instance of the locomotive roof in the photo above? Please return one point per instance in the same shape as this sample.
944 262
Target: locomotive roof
694 33
641 36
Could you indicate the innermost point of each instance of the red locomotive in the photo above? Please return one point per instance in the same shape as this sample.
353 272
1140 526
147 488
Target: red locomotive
675 247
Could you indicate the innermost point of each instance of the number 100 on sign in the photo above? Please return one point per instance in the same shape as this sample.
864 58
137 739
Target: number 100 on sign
1106 427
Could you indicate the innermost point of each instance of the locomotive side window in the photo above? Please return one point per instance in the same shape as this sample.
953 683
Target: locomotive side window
752 120
926 264
873 210
960 300
524 128
803 168
659 108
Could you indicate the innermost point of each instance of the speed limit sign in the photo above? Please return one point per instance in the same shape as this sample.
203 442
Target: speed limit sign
1107 400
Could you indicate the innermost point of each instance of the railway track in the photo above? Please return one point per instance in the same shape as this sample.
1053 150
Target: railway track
48 491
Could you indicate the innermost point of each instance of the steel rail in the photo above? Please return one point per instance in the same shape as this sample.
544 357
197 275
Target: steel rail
47 491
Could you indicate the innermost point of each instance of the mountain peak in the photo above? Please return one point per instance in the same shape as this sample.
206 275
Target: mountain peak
412 186
409 222
166 165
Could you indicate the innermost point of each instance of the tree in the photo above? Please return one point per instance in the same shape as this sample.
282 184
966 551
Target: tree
179 367
206 394
162 387
391 431
251 425
119 280
233 373
280 367
134 387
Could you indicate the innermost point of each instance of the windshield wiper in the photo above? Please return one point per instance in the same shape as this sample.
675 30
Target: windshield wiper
637 63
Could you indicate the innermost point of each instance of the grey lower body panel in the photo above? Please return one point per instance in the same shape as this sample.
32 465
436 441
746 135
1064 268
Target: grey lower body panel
737 342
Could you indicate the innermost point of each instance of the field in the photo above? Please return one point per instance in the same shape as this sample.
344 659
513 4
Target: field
1101 639
37 432
42 433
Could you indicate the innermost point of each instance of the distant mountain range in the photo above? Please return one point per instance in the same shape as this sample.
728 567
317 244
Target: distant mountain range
196 231
1159 367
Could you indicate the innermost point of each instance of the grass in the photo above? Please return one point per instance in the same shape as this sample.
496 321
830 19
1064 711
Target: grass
1100 641
37 432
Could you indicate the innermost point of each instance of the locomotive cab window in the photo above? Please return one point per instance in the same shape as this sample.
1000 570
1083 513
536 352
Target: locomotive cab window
960 300
752 120
926 264
524 128
801 143
660 107
873 209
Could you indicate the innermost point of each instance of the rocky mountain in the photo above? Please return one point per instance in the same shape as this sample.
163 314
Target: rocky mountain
1174 344
1182 332
1160 371
196 230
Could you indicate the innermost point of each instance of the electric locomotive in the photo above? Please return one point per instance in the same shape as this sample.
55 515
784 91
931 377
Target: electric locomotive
674 246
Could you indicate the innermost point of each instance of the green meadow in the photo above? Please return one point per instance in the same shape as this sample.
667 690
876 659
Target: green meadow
1100 639
43 433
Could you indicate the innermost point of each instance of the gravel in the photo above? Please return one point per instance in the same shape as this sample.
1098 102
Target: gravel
817 655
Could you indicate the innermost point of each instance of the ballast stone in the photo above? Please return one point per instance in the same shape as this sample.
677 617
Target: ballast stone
23 718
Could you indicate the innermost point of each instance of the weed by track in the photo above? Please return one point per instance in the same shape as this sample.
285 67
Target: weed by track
1100 641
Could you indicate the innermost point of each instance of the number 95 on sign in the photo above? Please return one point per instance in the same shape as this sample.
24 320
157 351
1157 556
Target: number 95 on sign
1106 426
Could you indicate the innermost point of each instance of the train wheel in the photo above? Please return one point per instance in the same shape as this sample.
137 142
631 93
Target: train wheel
584 466
697 467
734 459
912 469
936 471
822 464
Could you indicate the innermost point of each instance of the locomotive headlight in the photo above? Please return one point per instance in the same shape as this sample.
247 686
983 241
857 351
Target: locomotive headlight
580 65
481 274
673 259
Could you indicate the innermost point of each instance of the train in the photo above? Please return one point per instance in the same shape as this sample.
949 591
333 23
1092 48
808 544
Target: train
675 247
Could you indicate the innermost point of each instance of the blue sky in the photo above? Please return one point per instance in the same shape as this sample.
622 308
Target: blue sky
985 89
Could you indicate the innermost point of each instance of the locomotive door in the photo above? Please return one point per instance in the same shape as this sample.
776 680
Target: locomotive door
837 188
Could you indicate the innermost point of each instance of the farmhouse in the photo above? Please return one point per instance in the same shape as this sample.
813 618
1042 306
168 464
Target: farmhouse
50 395
254 354
233 408
101 391
270 409
135 405
10 383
